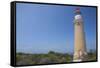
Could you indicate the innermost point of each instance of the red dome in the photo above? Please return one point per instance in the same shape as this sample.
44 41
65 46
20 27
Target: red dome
77 11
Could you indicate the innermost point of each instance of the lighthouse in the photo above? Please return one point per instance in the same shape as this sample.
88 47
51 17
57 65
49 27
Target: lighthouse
79 37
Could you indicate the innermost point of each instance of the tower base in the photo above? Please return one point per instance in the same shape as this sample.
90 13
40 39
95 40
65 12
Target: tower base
80 56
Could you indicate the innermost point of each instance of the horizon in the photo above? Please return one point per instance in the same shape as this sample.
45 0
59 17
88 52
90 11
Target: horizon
55 52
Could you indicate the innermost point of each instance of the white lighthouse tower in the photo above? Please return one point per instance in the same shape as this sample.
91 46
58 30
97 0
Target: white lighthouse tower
79 38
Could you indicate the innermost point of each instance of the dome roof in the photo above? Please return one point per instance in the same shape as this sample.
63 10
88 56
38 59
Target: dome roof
77 11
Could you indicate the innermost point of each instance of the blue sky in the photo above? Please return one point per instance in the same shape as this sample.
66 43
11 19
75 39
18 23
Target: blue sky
43 28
